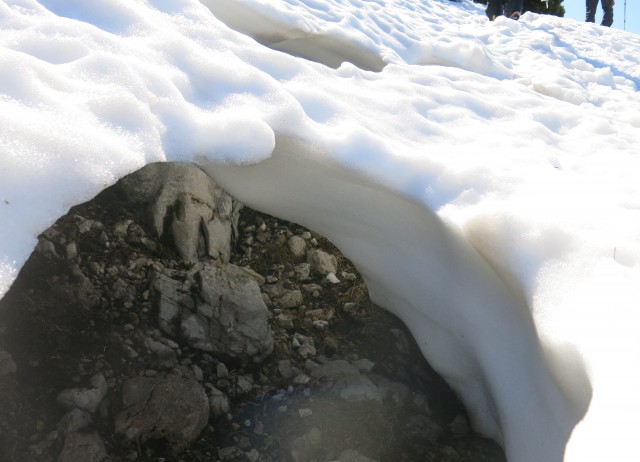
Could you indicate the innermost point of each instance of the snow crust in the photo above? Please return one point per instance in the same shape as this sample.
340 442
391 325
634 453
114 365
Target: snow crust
481 175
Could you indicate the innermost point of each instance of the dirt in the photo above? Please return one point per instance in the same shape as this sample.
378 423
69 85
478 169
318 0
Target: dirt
63 321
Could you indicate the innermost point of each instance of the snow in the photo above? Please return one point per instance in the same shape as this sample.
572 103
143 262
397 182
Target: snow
481 175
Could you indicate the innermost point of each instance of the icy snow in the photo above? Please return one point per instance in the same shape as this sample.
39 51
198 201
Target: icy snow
483 176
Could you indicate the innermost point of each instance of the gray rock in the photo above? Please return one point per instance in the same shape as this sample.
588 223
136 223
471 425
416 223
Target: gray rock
284 368
86 399
195 329
74 420
348 382
297 245
238 326
7 364
307 447
171 408
222 371
290 299
83 447
218 403
168 301
302 271
185 203
322 262
244 383
364 365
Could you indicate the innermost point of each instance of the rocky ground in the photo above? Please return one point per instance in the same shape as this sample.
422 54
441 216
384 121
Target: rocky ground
146 328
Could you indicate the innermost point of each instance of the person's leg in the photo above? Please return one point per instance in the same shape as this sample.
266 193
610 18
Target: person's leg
592 5
494 9
607 7
513 6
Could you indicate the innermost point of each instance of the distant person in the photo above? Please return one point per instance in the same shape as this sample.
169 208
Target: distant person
607 7
510 8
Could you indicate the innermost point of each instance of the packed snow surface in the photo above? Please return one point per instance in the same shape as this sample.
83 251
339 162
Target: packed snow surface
483 176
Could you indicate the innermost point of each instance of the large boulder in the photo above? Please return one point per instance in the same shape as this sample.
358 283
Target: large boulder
231 304
215 308
184 205
171 408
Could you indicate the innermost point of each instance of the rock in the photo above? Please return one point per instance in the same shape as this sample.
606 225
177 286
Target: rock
222 371
7 364
170 408
169 310
83 447
74 420
161 350
297 245
351 455
322 262
218 403
244 384
86 399
348 382
230 453
290 299
232 305
184 203
302 271
195 329
307 447
364 365
331 277
285 368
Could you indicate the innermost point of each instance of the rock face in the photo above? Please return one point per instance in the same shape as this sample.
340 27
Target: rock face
171 408
225 315
185 205
140 312
232 302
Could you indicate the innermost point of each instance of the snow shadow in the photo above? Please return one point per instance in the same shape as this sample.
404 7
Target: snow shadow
329 49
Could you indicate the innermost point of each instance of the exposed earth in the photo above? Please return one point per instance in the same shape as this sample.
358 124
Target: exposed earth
93 368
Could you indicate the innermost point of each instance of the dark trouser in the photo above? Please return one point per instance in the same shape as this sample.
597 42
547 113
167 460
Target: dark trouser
497 8
607 7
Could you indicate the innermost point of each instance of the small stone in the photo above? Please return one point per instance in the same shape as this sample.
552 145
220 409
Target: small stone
222 371
301 379
306 350
218 403
253 455
290 299
364 365
306 412
7 364
85 398
331 277
320 324
298 246
197 373
83 447
284 368
71 251
74 420
322 262
244 383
